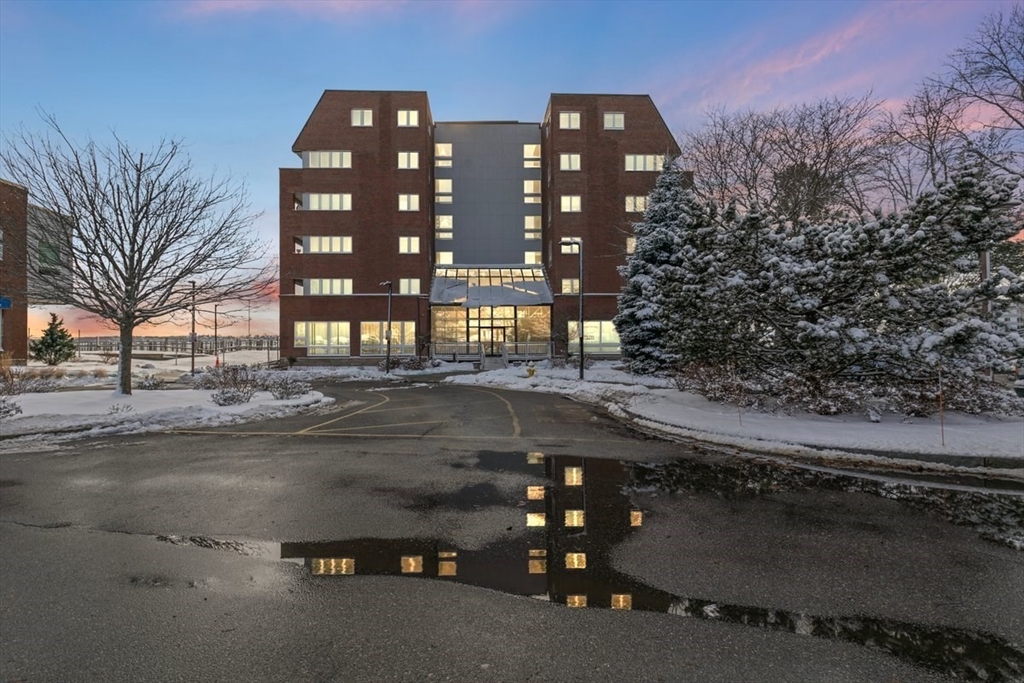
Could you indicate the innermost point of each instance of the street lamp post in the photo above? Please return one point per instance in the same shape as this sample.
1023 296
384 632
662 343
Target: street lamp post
216 347
579 330
193 283
387 330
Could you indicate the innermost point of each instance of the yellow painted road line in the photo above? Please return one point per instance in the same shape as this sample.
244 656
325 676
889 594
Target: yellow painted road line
394 424
516 431
415 407
346 415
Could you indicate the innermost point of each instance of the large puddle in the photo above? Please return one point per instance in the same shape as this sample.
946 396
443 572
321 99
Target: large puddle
578 509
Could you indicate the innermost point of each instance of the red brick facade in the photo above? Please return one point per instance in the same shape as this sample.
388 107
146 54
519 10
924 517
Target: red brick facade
14 269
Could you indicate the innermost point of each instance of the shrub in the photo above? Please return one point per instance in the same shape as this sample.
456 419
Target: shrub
120 408
100 373
412 363
8 408
230 397
234 381
573 361
151 383
283 386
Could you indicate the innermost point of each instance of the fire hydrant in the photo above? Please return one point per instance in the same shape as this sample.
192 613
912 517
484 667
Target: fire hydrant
531 370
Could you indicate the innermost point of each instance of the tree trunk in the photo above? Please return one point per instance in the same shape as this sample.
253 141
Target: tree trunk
124 363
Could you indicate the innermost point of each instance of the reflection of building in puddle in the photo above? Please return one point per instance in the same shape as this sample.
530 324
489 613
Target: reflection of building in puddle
571 524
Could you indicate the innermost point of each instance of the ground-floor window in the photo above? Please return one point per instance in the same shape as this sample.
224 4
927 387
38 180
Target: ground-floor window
599 336
490 326
374 342
330 338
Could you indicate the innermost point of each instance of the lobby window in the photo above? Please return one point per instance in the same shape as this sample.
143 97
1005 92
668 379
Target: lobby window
443 155
338 159
362 118
408 245
644 162
321 201
570 285
408 160
445 258
636 203
409 285
443 190
328 286
568 162
531 191
373 337
531 156
532 258
531 227
323 338
408 118
571 203
614 120
408 202
569 120
570 248
630 245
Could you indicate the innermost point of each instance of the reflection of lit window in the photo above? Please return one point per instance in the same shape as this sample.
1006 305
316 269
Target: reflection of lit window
538 566
574 517
574 476
636 518
630 245
535 519
535 493
576 601
622 601
575 560
534 458
412 564
446 568
538 552
336 565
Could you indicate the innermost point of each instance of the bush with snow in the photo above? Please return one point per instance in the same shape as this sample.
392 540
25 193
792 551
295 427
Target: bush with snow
151 383
8 408
282 386
245 380
231 397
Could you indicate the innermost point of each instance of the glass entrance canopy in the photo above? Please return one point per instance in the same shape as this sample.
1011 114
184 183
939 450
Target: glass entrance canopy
473 287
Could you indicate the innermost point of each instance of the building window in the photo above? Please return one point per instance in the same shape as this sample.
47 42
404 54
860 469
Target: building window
531 227
408 202
571 203
408 245
409 285
408 118
443 227
323 338
443 190
568 162
630 245
443 155
324 286
614 120
532 258
445 258
599 336
408 160
531 156
362 117
569 120
644 162
319 201
570 248
337 159
531 191
570 285
324 245
636 203
373 337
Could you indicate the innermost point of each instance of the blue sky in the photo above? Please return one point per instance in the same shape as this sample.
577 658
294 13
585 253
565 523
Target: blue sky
238 78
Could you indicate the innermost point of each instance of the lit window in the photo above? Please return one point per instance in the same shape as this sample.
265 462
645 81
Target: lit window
568 162
614 120
644 162
321 201
532 258
622 601
333 566
409 285
574 476
373 337
408 245
531 156
569 120
636 517
408 160
535 519
630 245
408 202
443 222
570 248
323 338
446 568
327 159
362 117
601 336
570 285
443 190
636 203
574 518
443 154
534 458
330 244
535 493
444 235
408 118
575 600
531 227
412 564
329 286
575 560
445 258
531 191
538 563
571 203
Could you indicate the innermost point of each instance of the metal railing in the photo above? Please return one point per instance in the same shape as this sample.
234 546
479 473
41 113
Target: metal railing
458 351
526 351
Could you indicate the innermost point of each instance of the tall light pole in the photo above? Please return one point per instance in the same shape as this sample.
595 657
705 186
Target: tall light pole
387 330
193 283
216 348
579 250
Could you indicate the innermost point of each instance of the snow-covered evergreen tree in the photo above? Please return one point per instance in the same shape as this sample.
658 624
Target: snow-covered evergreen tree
56 346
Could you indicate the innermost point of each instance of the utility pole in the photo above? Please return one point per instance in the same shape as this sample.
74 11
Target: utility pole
193 283
387 331
216 347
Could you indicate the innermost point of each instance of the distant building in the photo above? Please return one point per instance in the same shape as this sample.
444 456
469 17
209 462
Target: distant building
466 222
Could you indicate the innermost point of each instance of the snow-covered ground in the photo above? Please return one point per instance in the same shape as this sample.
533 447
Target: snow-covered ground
95 408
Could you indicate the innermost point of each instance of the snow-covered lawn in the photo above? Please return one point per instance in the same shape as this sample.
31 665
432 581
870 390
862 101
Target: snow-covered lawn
651 402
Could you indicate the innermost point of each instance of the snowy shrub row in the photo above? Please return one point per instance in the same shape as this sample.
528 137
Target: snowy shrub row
236 384
411 363
8 408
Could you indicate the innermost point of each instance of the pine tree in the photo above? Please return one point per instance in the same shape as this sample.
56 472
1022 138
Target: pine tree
56 346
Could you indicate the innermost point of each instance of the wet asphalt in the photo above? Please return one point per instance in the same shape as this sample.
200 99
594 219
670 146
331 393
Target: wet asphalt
159 557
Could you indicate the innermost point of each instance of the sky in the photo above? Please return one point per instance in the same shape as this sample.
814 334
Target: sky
237 79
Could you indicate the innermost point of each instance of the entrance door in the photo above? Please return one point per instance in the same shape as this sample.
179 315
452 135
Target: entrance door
492 338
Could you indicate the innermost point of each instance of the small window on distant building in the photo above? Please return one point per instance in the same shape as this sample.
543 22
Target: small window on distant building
445 258
531 156
636 203
409 285
408 245
571 203
362 118
644 162
443 190
570 248
569 120
531 227
408 160
568 162
532 257
408 202
630 245
531 191
408 118
321 159
320 201
570 285
614 120
443 155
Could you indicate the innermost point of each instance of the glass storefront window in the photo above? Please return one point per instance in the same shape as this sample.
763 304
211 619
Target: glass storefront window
599 336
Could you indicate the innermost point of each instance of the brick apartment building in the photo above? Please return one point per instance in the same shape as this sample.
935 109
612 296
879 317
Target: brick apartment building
476 225
13 271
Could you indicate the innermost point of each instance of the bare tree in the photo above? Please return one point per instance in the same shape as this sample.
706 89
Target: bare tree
803 160
135 230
